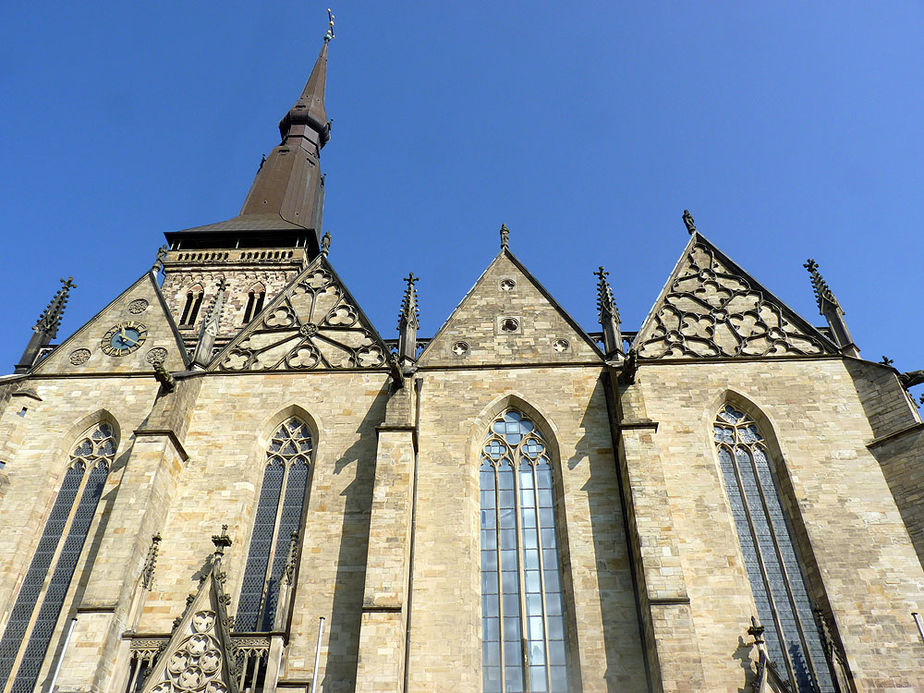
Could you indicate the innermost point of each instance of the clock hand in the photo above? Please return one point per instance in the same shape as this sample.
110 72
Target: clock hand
125 337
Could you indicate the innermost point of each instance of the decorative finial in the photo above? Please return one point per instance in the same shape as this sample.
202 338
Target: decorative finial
221 541
505 236
820 286
756 630
325 244
886 361
150 562
605 304
409 312
159 261
688 222
289 571
330 26
50 319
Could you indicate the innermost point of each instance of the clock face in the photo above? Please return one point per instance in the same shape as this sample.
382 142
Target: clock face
124 338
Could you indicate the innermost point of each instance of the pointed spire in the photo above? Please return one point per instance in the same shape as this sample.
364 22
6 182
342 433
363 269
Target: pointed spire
309 110
46 327
504 236
609 315
325 244
408 322
830 308
209 329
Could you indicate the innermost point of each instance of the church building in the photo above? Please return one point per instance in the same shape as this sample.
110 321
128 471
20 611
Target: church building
229 480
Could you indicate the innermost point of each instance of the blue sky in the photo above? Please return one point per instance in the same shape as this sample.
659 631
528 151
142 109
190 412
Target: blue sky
789 129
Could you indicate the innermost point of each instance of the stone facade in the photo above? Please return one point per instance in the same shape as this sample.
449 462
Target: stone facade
381 582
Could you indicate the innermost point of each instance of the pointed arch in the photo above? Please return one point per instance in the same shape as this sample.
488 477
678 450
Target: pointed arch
756 486
38 605
288 457
523 601
256 295
192 306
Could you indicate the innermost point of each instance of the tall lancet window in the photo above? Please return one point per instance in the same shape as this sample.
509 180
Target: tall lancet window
522 626
770 556
38 606
279 514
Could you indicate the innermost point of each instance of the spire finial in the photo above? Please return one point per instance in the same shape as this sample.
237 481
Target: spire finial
221 542
688 222
210 328
822 291
609 315
829 307
50 319
330 26
409 312
325 244
504 236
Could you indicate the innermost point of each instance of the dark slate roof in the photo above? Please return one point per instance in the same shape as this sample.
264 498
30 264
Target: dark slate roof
250 222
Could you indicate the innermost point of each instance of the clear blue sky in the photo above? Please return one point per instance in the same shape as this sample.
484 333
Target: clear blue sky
789 129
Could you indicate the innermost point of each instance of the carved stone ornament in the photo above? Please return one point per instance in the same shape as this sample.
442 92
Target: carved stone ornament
561 345
710 308
314 325
156 355
139 305
460 348
79 357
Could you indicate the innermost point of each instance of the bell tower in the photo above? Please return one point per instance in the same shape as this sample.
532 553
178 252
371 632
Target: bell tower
275 235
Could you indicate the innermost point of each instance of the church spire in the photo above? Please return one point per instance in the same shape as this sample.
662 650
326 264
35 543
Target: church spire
829 307
46 327
408 322
308 111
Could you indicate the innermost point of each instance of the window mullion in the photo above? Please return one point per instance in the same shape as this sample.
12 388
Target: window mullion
521 574
779 557
763 569
275 536
500 574
545 620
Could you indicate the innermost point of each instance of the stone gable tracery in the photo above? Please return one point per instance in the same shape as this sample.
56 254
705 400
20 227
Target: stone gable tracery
711 308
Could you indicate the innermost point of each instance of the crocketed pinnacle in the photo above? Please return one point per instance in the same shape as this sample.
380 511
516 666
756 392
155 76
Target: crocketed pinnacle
409 312
820 287
605 304
50 319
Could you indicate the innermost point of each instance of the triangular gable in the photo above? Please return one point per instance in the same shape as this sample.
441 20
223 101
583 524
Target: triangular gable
710 307
313 323
141 304
199 655
479 331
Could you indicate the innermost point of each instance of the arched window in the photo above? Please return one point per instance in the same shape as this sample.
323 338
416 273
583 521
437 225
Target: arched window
34 615
770 556
279 514
522 626
192 306
255 298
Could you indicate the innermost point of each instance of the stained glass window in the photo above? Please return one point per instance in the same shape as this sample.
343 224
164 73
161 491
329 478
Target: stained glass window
522 622
770 555
35 614
279 514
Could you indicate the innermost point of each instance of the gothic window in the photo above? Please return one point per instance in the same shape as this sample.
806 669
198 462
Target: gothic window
278 516
35 614
255 298
192 306
770 555
522 626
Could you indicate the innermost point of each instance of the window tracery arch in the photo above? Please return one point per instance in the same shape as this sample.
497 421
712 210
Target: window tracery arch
256 294
192 305
35 613
523 640
771 559
279 514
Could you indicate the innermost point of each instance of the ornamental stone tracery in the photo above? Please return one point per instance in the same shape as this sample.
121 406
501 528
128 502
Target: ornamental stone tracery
710 309
314 326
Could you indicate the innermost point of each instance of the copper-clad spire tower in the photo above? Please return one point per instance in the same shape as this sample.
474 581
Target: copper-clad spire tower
286 200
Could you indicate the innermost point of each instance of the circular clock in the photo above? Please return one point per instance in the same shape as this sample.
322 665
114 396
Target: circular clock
124 338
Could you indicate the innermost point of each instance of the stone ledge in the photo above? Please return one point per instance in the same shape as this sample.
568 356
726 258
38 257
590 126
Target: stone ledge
897 434
178 446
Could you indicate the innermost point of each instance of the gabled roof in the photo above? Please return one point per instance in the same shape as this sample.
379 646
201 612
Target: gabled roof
544 332
142 303
710 307
314 323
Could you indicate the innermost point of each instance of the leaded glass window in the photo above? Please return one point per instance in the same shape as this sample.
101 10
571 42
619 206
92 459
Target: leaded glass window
35 613
279 514
522 625
770 556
